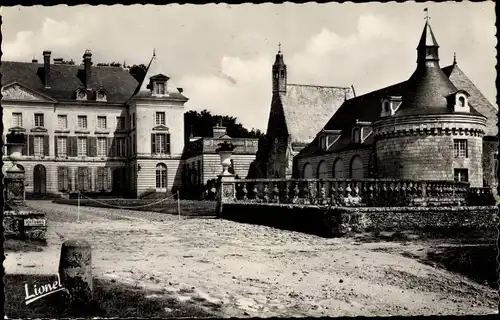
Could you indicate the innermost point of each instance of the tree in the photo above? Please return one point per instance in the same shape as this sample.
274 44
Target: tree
200 124
138 71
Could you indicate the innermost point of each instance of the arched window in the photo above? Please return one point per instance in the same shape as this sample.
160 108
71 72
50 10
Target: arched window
338 169
356 168
161 176
322 170
461 102
308 171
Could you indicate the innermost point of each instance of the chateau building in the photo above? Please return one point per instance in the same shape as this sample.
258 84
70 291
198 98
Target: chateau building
436 125
94 128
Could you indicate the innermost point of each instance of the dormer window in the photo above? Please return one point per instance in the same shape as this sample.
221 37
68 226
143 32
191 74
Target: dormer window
81 94
459 101
356 135
390 105
158 85
101 94
160 88
327 138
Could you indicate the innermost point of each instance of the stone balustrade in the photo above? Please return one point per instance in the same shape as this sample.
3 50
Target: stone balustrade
346 192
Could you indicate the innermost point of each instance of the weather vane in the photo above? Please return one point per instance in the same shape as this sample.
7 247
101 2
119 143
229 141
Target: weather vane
279 46
426 10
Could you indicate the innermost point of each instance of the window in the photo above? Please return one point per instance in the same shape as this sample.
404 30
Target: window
160 118
62 121
461 175
120 123
160 88
82 122
17 119
460 148
120 147
133 144
62 143
101 181
102 147
63 179
82 146
83 178
161 143
461 102
386 106
38 145
357 168
308 171
338 169
356 135
161 176
38 119
101 122
322 170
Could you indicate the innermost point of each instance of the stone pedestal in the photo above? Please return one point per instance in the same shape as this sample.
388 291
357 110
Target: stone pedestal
226 191
75 271
14 186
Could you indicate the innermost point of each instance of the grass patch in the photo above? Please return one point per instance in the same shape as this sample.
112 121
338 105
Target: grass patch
16 245
111 299
477 262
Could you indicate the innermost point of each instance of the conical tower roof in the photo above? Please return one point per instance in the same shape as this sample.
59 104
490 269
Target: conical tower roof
426 90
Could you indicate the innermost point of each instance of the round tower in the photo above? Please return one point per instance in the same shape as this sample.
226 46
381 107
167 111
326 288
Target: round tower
430 132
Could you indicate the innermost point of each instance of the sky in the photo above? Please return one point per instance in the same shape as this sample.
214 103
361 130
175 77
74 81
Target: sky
222 54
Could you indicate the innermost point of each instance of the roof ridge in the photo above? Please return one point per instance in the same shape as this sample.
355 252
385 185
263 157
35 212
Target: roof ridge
313 85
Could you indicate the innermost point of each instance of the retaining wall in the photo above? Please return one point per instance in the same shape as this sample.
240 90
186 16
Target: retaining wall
342 221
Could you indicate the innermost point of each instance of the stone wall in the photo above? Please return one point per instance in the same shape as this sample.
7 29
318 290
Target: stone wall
428 157
340 221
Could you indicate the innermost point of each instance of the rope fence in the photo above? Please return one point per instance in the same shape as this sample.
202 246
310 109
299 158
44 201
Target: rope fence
127 207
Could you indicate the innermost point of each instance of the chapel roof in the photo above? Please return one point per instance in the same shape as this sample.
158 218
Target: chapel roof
307 108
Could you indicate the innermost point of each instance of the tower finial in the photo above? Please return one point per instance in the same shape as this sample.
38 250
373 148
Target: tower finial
426 10
454 58
279 47
154 52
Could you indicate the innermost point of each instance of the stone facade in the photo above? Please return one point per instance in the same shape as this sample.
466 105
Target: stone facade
96 131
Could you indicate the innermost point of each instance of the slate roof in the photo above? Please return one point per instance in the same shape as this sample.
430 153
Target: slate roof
65 79
476 98
307 108
367 107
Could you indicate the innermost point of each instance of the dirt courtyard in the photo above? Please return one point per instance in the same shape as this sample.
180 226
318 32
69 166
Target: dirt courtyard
258 271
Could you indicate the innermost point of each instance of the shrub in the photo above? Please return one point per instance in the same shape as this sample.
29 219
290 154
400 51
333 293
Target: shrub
146 193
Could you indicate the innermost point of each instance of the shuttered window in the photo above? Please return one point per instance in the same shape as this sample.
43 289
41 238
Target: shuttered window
82 146
62 146
63 179
160 143
102 147
102 179
38 145
84 179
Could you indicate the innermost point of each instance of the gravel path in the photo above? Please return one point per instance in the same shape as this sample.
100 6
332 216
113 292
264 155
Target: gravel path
255 270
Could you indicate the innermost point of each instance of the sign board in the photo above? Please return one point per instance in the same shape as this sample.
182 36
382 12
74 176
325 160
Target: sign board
35 222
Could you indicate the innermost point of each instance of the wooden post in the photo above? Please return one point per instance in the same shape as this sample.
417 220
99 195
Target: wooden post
75 272
178 204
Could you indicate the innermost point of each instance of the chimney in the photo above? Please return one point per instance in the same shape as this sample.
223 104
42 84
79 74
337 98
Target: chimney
46 67
58 60
219 131
180 90
87 62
